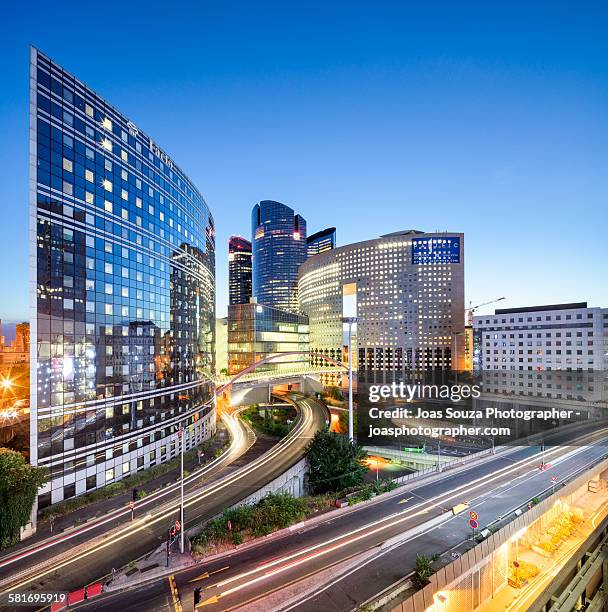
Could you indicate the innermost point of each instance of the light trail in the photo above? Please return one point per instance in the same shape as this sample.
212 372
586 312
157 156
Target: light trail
145 522
236 447
312 552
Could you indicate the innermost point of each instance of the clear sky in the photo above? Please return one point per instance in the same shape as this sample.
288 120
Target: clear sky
371 117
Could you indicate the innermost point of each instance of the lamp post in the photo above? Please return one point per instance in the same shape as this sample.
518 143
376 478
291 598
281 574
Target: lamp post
350 321
180 435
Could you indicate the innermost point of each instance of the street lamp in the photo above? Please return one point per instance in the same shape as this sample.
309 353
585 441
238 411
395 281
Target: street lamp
180 435
350 321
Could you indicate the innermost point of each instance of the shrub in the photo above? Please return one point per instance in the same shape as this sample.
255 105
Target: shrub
335 462
19 484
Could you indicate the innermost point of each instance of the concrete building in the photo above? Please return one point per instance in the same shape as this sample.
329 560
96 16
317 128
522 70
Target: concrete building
552 337
407 291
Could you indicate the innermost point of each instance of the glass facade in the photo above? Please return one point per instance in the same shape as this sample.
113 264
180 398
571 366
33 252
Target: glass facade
256 331
322 241
279 247
239 270
122 294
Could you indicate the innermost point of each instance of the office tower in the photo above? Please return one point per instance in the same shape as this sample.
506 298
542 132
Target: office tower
551 337
239 270
407 291
279 247
256 331
321 241
122 292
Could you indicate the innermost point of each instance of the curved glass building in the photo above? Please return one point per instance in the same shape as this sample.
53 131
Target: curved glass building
279 247
122 292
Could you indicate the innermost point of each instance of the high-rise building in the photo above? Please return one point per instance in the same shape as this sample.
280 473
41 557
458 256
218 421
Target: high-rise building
122 292
279 248
407 292
552 337
321 241
256 331
239 270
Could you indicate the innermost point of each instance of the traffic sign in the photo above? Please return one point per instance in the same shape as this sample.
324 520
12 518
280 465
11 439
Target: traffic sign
473 515
473 524
131 505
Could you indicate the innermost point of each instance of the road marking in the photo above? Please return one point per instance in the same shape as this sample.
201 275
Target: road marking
174 594
208 602
207 574
405 499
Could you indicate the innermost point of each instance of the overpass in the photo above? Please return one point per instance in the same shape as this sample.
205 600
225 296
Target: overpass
255 386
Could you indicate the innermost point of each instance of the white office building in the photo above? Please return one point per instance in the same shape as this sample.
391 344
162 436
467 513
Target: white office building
406 290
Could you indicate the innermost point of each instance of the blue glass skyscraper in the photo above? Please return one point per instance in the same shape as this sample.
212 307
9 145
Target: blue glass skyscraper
122 292
279 248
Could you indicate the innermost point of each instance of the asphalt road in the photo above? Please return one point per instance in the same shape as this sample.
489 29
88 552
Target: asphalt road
248 576
92 555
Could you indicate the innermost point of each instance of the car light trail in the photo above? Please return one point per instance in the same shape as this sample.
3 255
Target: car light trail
305 421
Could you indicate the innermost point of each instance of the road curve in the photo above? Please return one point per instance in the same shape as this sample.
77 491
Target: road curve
93 555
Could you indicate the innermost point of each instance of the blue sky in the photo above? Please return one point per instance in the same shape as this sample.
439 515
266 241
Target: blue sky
372 117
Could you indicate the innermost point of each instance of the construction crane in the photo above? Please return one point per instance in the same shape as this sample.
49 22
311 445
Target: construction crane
472 309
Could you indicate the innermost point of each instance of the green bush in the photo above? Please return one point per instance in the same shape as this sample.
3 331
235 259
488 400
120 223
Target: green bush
335 462
275 511
423 570
19 484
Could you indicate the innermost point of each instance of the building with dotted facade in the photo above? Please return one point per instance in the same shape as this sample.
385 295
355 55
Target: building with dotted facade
407 291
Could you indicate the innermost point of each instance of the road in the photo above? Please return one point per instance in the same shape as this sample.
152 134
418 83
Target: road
248 577
92 554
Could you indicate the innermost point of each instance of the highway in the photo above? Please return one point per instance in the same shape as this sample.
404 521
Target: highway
261 577
91 553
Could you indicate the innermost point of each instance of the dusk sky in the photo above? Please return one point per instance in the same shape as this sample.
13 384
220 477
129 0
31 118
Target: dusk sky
371 117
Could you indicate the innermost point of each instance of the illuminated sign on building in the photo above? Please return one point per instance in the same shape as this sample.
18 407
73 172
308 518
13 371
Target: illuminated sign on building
436 250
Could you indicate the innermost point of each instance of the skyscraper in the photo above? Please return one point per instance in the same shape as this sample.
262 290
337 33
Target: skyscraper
321 241
279 248
407 291
122 292
239 270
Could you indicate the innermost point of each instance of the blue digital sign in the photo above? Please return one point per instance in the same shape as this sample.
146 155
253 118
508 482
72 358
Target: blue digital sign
439 250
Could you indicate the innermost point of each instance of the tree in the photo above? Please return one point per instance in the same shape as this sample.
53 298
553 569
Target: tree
335 462
423 570
19 483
